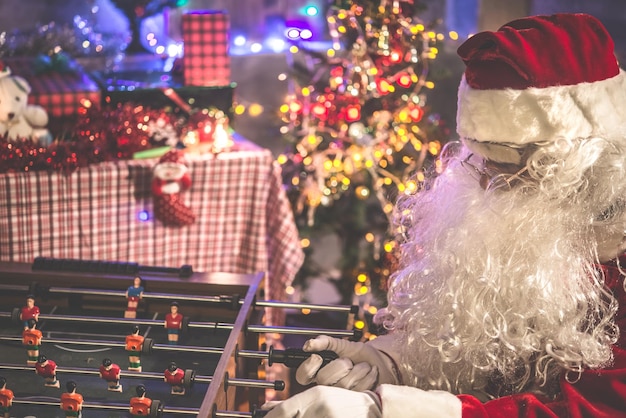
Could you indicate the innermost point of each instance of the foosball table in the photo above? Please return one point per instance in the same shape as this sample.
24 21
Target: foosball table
210 363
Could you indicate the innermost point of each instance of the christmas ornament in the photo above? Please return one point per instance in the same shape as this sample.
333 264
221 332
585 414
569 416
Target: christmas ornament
170 178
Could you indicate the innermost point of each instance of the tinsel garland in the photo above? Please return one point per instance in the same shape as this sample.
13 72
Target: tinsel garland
107 134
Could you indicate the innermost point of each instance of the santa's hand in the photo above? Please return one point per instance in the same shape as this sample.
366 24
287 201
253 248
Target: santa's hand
360 366
327 402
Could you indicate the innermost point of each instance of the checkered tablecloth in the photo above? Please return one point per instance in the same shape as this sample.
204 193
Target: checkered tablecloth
244 223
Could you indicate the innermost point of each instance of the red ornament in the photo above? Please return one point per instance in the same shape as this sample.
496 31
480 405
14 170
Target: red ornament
295 107
416 114
353 113
319 110
404 80
382 85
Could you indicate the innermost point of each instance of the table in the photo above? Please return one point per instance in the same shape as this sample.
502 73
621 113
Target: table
244 223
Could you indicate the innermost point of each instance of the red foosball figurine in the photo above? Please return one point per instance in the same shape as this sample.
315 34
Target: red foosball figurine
140 405
6 398
31 339
110 372
134 295
71 402
29 311
48 370
134 345
174 376
173 324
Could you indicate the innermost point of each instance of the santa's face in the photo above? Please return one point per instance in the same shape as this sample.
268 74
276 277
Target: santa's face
170 171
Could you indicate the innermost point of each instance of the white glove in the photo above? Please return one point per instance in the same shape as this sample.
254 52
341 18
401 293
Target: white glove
360 366
327 402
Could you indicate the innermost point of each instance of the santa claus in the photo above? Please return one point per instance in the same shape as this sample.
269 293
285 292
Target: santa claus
170 178
501 306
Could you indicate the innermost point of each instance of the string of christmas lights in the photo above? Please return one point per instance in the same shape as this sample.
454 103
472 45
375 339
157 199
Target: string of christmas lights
358 119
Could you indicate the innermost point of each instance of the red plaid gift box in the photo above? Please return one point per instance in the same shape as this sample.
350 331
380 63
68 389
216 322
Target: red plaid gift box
206 61
60 93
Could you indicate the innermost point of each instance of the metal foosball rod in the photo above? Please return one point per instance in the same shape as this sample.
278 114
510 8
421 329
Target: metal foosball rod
233 301
189 379
291 357
157 409
355 334
256 413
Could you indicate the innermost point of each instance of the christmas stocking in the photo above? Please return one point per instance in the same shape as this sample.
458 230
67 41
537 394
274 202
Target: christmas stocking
169 179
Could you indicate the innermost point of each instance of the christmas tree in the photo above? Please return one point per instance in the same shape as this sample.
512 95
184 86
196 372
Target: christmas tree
362 134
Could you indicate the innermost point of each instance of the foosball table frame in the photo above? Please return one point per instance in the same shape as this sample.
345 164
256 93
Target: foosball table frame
237 293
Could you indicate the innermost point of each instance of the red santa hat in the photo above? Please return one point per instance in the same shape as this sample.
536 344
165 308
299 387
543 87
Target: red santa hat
173 156
536 80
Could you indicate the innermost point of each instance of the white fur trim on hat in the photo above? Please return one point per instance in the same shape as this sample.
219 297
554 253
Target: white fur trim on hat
538 115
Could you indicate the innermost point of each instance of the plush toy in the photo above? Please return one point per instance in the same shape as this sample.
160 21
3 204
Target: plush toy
170 178
18 119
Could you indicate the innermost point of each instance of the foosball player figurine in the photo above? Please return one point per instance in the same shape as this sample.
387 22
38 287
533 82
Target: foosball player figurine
174 377
134 295
110 372
140 405
6 398
71 402
134 345
31 339
173 324
48 370
29 311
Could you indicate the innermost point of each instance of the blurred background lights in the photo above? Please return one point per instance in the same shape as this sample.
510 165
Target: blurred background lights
239 40
275 44
292 33
143 216
311 11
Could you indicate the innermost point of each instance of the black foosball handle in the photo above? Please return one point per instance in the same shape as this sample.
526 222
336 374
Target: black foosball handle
294 357
98 266
259 413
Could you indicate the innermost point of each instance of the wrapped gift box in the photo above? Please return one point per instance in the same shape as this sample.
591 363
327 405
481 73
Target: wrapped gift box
206 61
60 93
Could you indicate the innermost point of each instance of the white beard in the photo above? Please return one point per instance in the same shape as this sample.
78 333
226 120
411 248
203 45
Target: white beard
504 282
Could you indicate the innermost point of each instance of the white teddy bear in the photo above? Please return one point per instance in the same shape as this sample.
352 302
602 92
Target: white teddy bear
18 119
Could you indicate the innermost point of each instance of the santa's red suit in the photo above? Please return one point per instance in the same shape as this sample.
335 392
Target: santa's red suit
598 393
170 178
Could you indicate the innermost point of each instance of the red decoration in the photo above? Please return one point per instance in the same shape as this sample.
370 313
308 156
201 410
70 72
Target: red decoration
382 86
353 113
100 136
319 110
416 114
404 80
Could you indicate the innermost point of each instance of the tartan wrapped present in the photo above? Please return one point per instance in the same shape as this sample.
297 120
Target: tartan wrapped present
205 60
60 93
